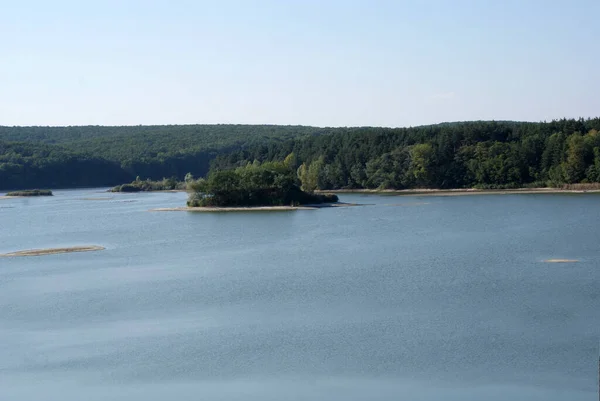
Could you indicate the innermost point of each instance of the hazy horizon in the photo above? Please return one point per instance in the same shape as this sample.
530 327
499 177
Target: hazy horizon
323 64
285 125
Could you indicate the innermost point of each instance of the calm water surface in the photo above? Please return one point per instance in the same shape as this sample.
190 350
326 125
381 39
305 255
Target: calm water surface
409 298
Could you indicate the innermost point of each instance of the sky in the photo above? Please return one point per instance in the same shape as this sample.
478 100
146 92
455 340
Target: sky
310 62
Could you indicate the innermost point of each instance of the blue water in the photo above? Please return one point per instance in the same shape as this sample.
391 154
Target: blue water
405 298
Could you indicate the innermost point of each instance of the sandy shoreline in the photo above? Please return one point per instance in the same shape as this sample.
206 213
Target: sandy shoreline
52 251
10 197
460 192
251 208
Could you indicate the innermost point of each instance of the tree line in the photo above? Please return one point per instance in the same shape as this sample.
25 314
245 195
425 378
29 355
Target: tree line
483 154
86 156
456 155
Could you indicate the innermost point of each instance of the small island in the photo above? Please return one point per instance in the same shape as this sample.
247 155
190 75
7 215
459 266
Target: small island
166 184
30 192
255 185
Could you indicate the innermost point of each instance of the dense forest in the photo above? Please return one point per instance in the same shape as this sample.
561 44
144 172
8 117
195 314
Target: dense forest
66 157
450 155
456 155
27 165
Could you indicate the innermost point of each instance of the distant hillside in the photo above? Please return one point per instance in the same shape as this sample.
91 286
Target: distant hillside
461 154
125 152
485 154
30 165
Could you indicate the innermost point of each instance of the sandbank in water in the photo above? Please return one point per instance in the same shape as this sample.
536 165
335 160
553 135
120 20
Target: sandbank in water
52 251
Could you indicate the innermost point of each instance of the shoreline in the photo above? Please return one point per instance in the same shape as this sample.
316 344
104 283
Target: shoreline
218 209
151 191
52 251
460 191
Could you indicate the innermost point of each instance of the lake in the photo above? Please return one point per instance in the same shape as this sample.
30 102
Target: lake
415 298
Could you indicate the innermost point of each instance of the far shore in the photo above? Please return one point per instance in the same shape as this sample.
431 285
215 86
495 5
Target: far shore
206 209
52 251
461 192
151 191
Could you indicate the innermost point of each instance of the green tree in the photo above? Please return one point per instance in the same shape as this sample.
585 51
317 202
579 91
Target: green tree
574 166
593 171
553 154
358 176
291 161
421 156
311 176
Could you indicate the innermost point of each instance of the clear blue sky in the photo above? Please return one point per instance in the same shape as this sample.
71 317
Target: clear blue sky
312 62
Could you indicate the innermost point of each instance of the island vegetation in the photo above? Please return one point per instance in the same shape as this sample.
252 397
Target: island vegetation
31 192
479 154
255 184
166 184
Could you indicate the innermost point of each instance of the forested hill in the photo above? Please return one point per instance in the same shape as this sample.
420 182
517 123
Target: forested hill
153 137
39 156
30 165
485 154
450 155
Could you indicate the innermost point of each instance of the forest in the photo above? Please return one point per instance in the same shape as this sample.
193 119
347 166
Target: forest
455 155
95 156
483 154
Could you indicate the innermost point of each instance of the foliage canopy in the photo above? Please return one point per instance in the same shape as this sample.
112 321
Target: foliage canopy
485 154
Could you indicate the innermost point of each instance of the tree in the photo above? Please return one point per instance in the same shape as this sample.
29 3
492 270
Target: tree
421 156
358 176
553 153
311 176
574 166
593 171
291 161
